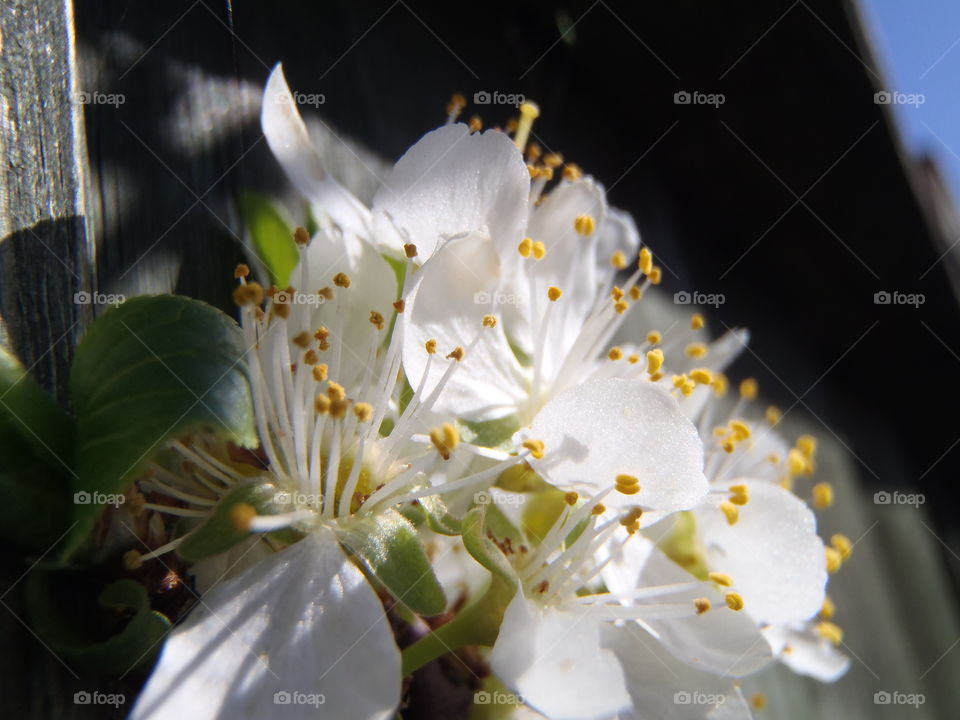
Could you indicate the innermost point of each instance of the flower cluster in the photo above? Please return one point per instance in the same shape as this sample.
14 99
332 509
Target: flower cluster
461 423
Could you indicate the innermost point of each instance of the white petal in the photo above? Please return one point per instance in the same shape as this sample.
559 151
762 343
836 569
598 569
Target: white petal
290 143
555 660
807 654
304 621
772 553
618 232
452 182
602 428
454 290
663 687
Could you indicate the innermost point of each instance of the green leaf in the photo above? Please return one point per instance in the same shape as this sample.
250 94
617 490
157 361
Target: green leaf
391 548
117 633
482 548
493 433
272 236
218 533
152 369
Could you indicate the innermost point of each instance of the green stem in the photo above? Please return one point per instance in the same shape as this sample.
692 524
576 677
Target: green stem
477 624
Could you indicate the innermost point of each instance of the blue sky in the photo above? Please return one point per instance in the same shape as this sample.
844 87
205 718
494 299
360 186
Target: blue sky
918 44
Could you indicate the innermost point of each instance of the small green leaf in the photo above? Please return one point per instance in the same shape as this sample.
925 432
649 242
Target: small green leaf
152 369
493 433
482 548
272 236
391 548
219 533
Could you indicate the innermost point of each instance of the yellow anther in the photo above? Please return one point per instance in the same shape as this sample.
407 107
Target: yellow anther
458 353
696 321
301 236
525 248
572 172
241 517
554 293
628 484
633 359
702 605
250 293
646 261
616 293
734 601
786 482
241 271
749 389
830 631
336 391
571 498
720 431
740 498
654 360
410 250
834 559
655 275
536 447
585 225
796 462
822 495
322 333
553 160
528 113
457 103
618 260
843 545
632 516
720 385
489 321
132 560
829 608
740 489
721 579
539 250
731 511
326 292
431 346
342 280
363 411
476 124
621 306
773 415
310 357
533 170
774 458
445 439
654 337
696 350
321 403
635 293
759 701
729 445
701 376
598 509
807 444
740 429
301 340
615 354
656 377
399 305
376 319
320 372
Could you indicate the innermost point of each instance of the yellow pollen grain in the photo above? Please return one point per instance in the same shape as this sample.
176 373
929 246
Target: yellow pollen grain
615 354
457 103
774 458
738 498
553 160
534 151
635 293
341 279
302 340
554 293
654 337
796 462
731 511
628 484
525 248
701 376
585 225
489 321
633 359
301 236
734 601
621 307
843 545
399 306
539 250
807 444
773 415
646 261
410 250
740 429
241 271
376 319
696 350
721 579
830 631
656 377
632 516
336 391
250 293
654 360
537 448
729 445
702 605
571 498
241 516
598 509
749 389
476 124
458 353
822 495
310 357
321 403
616 293
834 559
696 321
618 260
338 408
445 439
656 275
363 411
431 346
720 385
572 172
326 292
829 608
320 372
759 701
